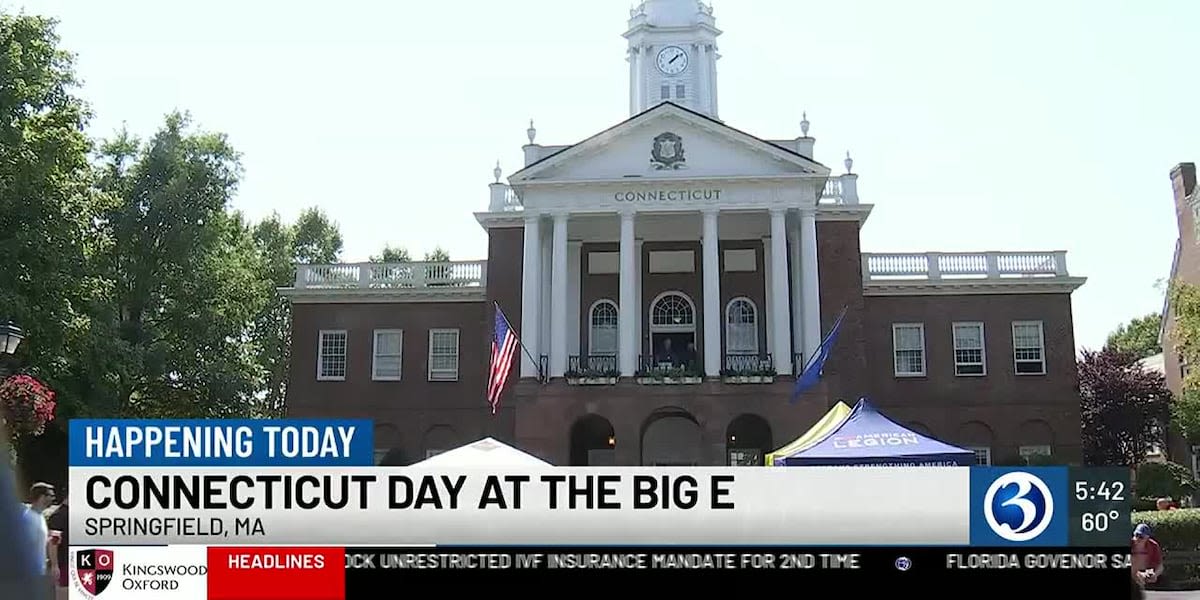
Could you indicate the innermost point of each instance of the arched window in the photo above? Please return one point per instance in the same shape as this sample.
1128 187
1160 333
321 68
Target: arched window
672 312
741 327
602 339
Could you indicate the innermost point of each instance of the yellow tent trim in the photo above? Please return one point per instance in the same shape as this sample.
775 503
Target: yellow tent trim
827 424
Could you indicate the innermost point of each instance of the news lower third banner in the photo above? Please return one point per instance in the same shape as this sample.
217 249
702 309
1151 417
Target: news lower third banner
308 482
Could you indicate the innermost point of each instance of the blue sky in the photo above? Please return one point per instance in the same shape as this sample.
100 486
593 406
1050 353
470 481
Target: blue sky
981 125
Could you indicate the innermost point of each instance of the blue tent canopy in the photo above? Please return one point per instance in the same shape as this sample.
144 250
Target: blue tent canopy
868 438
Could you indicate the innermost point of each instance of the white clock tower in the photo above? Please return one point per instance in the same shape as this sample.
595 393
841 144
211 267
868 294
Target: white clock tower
673 55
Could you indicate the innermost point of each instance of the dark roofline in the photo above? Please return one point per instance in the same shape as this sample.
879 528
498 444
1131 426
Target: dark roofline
660 106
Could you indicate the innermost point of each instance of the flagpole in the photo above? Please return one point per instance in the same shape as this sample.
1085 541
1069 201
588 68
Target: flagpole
535 362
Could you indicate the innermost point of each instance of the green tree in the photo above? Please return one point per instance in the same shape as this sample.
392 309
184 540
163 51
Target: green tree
312 239
437 255
1138 337
1185 333
186 277
48 235
392 254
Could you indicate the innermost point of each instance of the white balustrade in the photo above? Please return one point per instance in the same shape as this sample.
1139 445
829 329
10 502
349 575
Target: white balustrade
942 266
413 275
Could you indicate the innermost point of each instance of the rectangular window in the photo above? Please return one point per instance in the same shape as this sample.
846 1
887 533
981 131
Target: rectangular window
1028 451
666 92
908 343
680 92
983 455
331 355
968 349
1029 348
385 365
443 355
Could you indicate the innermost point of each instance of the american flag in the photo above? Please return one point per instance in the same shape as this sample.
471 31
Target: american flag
504 348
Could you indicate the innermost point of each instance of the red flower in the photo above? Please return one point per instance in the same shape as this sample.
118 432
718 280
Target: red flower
26 405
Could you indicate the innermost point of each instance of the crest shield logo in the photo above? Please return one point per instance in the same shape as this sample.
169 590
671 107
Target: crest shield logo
667 152
94 570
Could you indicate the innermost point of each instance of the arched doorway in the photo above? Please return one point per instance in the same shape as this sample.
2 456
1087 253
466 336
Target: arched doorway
747 441
388 451
672 437
672 330
593 442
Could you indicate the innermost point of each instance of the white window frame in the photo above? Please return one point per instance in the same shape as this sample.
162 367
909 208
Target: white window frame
1027 451
987 453
896 351
753 325
1041 341
982 349
591 316
321 354
457 353
375 376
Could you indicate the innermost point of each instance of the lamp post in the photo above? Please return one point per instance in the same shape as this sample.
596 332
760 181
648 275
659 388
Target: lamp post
10 338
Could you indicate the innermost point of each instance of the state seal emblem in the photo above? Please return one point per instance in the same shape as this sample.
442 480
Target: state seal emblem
667 152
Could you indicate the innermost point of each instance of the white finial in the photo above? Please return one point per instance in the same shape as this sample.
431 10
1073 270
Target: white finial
849 162
497 171
804 124
531 132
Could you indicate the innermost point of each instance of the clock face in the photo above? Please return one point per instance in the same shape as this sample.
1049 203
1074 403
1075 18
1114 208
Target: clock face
672 60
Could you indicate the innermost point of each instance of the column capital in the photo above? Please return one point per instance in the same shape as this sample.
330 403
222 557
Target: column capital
560 215
532 219
710 211
778 211
808 212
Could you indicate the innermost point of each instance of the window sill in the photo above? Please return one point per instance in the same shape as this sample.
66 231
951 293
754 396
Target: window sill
331 379
911 375
386 379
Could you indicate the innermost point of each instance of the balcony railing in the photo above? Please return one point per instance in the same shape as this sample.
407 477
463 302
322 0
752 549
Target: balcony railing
943 266
412 275
748 364
659 370
593 366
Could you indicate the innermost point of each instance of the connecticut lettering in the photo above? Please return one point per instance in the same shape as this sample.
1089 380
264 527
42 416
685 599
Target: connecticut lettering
668 196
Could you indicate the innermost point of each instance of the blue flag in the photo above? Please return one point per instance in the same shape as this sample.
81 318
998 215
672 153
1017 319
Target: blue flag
812 369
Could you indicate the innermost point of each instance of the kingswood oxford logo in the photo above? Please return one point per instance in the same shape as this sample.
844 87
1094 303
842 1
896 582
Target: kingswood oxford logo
93 571
667 152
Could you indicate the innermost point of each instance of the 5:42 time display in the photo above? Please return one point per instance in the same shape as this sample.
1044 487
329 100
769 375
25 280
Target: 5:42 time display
1107 491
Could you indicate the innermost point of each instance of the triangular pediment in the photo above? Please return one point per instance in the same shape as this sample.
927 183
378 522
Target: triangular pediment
669 142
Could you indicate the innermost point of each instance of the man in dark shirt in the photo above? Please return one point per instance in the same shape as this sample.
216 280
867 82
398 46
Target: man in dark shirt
59 521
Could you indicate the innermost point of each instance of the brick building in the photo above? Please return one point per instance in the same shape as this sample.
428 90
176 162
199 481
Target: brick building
669 276
1185 267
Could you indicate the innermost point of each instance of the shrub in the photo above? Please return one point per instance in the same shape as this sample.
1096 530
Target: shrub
1164 479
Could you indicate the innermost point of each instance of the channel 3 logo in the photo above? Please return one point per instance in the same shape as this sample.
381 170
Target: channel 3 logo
1017 507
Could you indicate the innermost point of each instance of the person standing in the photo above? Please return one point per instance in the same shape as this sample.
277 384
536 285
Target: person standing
41 496
58 520
17 578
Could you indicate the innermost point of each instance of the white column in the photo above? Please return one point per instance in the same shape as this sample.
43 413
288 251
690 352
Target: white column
810 282
627 344
765 314
547 297
558 302
531 295
574 289
780 307
796 291
639 307
712 296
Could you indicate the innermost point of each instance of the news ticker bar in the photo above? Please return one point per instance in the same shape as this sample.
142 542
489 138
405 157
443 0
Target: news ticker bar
337 573
1046 506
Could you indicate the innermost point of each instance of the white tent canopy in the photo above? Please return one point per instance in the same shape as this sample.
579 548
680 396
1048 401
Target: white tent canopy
487 452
